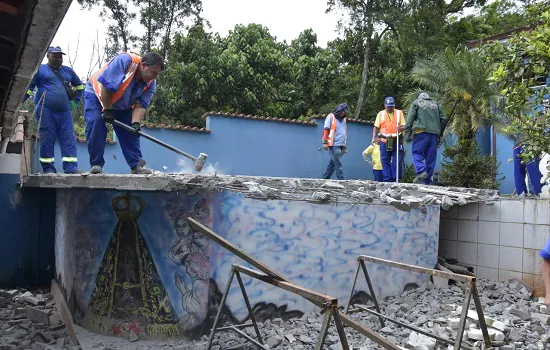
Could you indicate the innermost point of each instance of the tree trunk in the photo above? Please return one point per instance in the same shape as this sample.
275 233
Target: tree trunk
364 77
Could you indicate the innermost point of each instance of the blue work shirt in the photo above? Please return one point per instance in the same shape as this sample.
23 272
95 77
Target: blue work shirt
47 82
340 135
112 78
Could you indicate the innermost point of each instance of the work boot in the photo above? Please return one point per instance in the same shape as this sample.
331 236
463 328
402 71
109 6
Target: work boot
418 179
140 168
96 169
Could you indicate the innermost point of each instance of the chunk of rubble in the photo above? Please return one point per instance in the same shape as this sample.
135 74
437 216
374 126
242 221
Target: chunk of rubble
419 341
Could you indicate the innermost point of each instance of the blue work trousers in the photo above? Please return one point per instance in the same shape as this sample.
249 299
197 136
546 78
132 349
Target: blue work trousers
389 162
54 126
96 133
424 154
335 163
378 175
521 170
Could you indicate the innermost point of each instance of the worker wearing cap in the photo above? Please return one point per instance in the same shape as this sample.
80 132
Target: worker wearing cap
121 90
335 134
374 152
388 124
59 90
425 123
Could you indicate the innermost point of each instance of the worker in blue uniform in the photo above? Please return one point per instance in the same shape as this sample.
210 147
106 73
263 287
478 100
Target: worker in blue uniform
521 170
121 90
59 90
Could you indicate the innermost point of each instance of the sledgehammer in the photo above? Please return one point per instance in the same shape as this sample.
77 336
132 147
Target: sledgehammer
199 161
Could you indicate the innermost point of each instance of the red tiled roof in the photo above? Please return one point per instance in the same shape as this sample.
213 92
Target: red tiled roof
175 127
257 117
349 120
504 35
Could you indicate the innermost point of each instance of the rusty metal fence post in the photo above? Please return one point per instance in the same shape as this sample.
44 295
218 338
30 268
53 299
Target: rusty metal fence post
471 291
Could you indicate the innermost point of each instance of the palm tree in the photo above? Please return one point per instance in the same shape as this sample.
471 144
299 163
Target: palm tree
460 77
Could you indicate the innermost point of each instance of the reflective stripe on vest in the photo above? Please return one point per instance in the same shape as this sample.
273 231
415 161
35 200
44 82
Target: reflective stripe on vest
130 73
332 131
388 128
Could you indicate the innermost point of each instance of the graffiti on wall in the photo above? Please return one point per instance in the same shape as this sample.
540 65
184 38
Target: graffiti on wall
139 267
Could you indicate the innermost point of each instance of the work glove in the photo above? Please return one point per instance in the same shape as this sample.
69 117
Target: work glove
137 127
73 105
325 145
108 115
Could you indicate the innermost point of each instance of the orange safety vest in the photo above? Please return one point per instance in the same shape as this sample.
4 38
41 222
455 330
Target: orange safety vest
332 130
130 73
388 128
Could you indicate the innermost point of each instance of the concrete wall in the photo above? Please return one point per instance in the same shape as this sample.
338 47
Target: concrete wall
26 229
238 146
500 241
106 240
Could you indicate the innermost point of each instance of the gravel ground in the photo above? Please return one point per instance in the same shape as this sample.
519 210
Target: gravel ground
519 322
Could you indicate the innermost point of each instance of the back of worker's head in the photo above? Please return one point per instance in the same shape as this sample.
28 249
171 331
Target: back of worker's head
152 65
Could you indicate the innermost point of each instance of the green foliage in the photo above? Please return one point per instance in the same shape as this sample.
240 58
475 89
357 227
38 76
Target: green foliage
520 67
409 173
464 166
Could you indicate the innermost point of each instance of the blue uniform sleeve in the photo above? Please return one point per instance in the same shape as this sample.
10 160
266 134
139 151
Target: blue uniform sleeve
113 76
79 86
34 83
145 99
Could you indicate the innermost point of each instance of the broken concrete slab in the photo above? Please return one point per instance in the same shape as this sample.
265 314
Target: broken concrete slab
34 314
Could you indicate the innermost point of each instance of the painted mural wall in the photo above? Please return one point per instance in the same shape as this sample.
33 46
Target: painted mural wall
129 262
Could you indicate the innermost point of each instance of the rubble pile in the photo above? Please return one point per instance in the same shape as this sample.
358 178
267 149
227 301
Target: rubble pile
29 321
404 196
515 320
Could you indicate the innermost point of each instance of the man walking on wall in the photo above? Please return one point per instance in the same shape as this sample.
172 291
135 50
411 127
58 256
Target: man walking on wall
59 92
388 124
425 123
121 90
521 170
335 134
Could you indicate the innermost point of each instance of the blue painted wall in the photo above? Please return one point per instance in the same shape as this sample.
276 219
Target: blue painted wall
238 146
27 230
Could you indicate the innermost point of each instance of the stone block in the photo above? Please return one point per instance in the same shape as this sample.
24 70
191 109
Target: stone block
452 213
499 326
477 334
535 236
448 249
467 231
543 212
488 232
511 234
469 212
511 259
511 211
530 211
488 255
543 318
448 229
531 261
489 212
505 275
34 314
486 272
467 253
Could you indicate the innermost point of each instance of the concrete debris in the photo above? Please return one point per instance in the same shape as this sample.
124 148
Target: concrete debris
402 196
23 326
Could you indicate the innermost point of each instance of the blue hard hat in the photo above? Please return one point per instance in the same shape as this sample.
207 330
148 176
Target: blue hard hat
389 102
55 49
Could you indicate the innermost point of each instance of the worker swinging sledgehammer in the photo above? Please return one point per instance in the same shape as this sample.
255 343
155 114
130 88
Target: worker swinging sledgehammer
121 90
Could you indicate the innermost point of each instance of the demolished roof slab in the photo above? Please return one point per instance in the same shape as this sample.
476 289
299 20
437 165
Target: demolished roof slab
402 196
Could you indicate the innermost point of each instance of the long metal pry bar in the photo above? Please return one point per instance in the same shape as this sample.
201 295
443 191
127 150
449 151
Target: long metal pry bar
328 305
471 291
